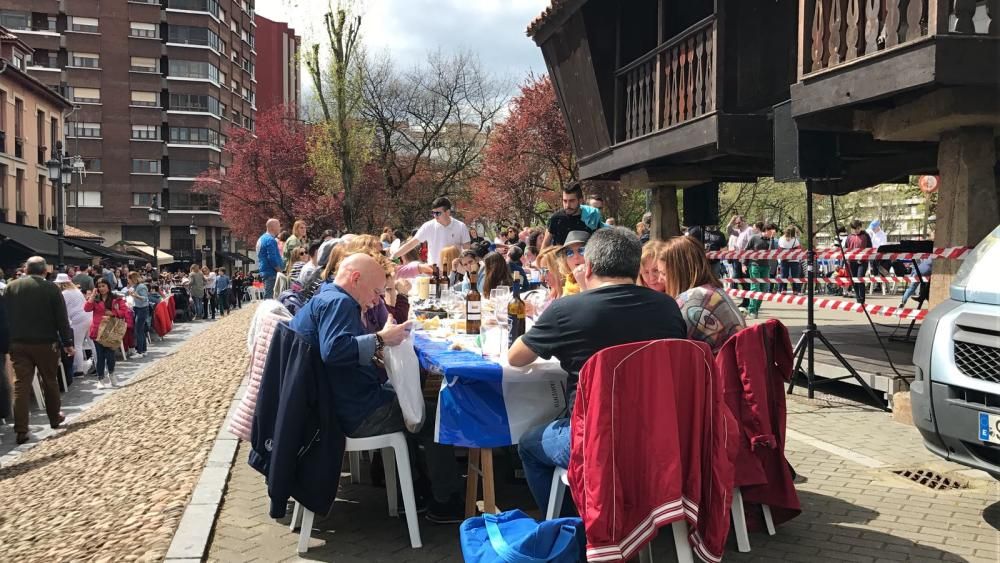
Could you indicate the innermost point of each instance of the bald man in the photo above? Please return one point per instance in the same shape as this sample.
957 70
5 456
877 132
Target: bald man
332 322
269 257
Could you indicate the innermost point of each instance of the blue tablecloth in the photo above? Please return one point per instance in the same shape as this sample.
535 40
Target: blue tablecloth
481 406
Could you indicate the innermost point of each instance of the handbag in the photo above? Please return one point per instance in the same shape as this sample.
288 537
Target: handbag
515 537
111 331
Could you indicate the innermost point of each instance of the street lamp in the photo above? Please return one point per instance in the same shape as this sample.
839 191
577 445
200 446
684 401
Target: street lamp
193 229
155 216
56 177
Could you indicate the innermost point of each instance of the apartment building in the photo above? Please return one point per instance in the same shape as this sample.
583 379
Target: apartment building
158 85
31 118
278 66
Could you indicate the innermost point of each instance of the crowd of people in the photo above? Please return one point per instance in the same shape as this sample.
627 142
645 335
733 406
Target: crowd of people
50 318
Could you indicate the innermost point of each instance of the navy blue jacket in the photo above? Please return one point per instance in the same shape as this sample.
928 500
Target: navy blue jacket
296 442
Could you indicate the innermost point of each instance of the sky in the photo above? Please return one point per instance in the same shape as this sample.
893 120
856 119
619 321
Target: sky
409 29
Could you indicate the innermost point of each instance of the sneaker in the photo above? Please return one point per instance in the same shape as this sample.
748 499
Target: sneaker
451 512
103 383
139 355
114 380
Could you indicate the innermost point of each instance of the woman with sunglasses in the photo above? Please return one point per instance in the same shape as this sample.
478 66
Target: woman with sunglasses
553 279
571 254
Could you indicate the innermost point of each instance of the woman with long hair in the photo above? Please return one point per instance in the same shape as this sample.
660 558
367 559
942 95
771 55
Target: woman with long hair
649 266
297 260
104 302
449 255
553 278
495 273
687 275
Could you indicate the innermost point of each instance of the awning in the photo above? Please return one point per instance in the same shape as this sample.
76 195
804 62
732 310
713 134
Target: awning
162 257
95 249
20 242
234 256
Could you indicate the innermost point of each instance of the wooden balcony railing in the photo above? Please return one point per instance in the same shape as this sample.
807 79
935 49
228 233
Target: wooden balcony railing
835 32
674 83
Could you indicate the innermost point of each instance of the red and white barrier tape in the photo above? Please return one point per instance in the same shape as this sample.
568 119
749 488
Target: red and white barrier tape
834 304
953 253
838 279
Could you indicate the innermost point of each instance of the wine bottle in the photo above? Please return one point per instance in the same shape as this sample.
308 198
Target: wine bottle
516 311
473 306
442 283
435 292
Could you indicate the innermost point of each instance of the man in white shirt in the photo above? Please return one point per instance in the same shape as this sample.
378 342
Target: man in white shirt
439 233
879 237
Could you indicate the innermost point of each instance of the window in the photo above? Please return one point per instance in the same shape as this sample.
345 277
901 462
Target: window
15 20
85 95
245 92
188 168
18 118
3 192
194 201
41 201
18 60
193 69
146 132
210 6
92 164
194 102
45 59
144 64
53 131
89 25
235 56
143 29
85 199
148 99
83 129
40 135
245 35
222 79
85 60
19 190
3 117
142 200
233 26
143 166
188 35
233 85
51 23
194 136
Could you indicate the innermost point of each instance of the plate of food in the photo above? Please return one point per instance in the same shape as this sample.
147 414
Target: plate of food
431 312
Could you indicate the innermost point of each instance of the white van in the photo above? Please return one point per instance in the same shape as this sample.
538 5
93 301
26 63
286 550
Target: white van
956 392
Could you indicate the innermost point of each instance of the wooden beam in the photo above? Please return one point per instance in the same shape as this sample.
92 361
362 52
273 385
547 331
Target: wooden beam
666 216
925 118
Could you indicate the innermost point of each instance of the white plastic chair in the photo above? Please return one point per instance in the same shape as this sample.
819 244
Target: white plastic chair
36 386
393 448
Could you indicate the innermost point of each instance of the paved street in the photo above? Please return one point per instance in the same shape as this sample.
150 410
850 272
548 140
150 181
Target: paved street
113 483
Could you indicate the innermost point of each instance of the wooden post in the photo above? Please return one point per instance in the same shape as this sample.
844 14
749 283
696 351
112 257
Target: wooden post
968 200
666 219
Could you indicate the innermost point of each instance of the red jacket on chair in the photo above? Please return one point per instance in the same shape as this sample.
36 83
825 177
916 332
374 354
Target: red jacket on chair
754 365
648 447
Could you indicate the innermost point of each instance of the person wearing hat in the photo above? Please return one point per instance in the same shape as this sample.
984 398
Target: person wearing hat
36 314
79 322
571 254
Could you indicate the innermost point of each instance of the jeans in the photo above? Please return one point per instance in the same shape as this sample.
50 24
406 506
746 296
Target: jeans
791 269
199 310
858 270
758 271
441 467
105 359
269 286
542 449
223 301
141 328
913 288
209 303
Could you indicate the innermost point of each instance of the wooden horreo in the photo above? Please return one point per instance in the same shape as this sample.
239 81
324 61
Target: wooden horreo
682 93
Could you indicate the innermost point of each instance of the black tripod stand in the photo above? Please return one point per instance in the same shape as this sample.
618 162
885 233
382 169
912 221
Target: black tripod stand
805 348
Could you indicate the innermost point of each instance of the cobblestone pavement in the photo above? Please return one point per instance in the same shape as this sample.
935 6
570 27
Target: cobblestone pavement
854 507
113 484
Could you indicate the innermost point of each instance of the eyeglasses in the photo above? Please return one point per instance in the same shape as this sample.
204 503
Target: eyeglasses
570 252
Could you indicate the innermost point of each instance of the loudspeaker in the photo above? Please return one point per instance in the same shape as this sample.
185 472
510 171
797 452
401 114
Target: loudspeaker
802 155
701 205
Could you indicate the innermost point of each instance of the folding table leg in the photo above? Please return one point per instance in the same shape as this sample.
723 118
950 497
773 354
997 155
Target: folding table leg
472 483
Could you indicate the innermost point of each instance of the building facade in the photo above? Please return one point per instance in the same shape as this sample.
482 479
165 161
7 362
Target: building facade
278 68
158 85
31 118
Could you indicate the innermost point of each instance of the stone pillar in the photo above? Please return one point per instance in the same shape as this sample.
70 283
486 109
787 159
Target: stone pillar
666 221
968 199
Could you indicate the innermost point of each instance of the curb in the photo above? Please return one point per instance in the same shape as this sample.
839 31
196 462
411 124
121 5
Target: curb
190 542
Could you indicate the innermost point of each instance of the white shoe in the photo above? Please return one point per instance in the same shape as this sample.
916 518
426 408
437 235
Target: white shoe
103 383
139 355
114 380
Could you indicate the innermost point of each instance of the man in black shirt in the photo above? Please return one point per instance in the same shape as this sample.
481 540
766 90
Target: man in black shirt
566 219
612 311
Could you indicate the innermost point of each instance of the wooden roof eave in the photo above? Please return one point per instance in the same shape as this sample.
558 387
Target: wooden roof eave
548 24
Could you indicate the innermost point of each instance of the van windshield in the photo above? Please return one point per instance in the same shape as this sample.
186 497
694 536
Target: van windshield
976 280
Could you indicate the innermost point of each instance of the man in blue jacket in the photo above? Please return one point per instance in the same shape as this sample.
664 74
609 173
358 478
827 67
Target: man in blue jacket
332 322
269 257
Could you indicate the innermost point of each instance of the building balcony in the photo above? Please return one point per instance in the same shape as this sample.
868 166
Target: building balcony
852 52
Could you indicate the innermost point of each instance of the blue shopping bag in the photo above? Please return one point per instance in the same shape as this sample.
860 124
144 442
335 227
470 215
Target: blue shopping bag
515 537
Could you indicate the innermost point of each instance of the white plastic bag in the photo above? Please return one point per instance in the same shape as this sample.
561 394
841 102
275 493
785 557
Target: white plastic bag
404 373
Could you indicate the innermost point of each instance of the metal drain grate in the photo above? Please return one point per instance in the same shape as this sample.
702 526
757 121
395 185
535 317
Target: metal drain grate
930 479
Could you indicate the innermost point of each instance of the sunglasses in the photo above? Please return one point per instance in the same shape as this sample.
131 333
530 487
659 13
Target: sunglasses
437 213
570 252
